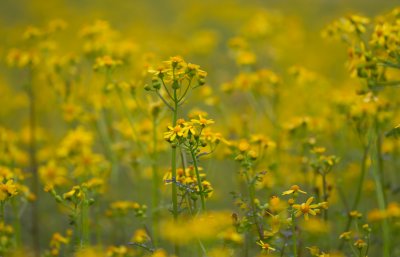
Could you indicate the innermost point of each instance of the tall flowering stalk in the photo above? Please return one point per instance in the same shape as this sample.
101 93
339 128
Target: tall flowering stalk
172 82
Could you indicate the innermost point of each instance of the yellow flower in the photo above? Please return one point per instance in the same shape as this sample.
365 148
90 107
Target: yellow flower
306 208
345 235
75 191
265 246
355 214
173 132
159 253
293 189
53 174
360 244
7 190
314 251
202 121
188 128
140 236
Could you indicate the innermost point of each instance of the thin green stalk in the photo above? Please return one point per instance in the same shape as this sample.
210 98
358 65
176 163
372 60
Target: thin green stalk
283 247
359 190
17 223
173 167
33 163
173 171
2 212
368 243
76 232
352 248
251 191
294 236
196 169
103 129
85 223
129 118
156 186
97 226
325 196
380 193
361 178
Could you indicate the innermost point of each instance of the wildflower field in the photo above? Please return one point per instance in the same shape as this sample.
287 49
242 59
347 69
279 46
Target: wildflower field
199 128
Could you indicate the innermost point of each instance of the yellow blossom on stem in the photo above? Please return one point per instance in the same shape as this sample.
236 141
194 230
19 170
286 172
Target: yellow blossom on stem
293 189
265 246
202 121
173 132
306 208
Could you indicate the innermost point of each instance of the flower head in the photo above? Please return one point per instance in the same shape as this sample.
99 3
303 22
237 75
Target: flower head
306 208
202 121
173 132
265 246
293 189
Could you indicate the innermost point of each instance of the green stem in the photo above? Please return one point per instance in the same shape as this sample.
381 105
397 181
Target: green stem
129 118
294 236
97 226
359 190
173 171
352 248
76 232
251 191
33 162
324 189
380 192
196 169
2 212
17 223
361 178
84 223
103 129
156 186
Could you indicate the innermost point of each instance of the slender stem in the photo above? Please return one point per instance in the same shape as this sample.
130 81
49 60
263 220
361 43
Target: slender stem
361 178
196 169
165 101
166 89
380 195
103 129
352 248
156 186
324 188
33 162
359 190
97 225
251 191
283 247
129 118
294 236
173 171
368 243
2 212
76 233
84 223
186 90
17 223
